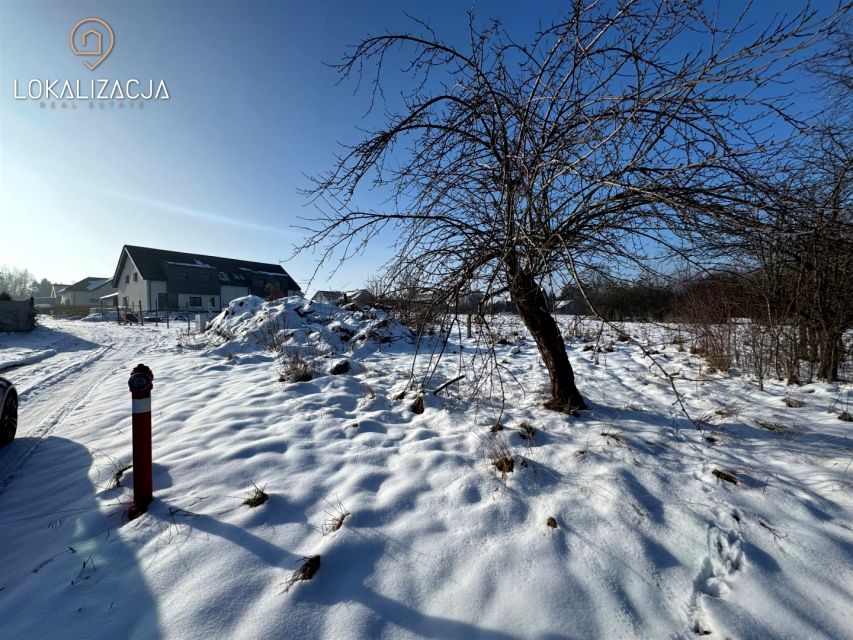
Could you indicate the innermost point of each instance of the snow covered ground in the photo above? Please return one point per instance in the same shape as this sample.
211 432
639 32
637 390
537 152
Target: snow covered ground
652 537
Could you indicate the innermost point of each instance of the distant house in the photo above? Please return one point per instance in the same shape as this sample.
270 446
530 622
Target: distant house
359 297
161 279
327 297
56 289
86 292
571 307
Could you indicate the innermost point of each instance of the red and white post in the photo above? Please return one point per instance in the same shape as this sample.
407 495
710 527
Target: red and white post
140 384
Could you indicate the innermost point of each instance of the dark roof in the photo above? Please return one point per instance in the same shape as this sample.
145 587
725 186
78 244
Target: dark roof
231 272
87 284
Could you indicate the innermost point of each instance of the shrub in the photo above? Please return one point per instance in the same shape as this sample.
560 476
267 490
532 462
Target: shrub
256 498
292 367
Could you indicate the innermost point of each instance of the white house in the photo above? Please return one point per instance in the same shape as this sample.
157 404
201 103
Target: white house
57 289
86 292
361 297
327 297
160 279
358 296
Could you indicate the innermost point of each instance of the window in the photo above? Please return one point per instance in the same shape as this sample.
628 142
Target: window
136 277
126 279
181 275
195 301
125 301
212 301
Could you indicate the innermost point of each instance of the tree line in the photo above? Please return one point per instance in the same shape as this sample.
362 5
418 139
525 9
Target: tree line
21 283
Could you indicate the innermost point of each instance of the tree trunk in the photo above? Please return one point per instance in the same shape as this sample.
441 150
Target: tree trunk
532 306
831 349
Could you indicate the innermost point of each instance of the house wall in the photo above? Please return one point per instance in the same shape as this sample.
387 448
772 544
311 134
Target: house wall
96 295
155 288
134 291
88 298
208 302
229 292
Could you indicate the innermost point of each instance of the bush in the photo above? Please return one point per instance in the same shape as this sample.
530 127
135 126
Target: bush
292 367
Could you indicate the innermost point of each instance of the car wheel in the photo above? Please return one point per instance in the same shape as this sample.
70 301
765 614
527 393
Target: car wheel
9 418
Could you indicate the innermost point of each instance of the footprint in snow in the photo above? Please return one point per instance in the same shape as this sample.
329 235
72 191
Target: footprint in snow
724 560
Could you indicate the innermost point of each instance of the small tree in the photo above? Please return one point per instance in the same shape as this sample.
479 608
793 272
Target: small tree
616 127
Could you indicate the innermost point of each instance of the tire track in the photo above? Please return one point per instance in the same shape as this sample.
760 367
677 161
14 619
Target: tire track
49 410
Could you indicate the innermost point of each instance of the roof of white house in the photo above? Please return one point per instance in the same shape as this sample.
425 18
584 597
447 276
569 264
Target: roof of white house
328 295
87 284
150 263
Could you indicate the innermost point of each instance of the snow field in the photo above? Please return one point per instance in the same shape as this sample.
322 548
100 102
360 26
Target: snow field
649 542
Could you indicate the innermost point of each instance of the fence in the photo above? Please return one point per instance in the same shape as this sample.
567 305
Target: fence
135 314
17 315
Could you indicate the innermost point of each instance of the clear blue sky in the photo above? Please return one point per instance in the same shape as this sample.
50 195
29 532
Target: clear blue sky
216 169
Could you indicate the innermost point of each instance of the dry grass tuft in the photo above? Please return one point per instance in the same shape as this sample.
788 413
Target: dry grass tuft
613 436
504 464
256 498
551 522
418 405
726 411
725 475
497 453
336 513
292 367
845 416
119 474
305 572
568 409
496 427
775 427
526 432
793 402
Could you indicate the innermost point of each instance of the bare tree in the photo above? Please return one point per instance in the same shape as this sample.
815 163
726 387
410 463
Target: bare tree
799 251
614 130
17 281
811 247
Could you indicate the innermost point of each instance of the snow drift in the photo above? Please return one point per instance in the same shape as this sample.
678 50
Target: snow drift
294 322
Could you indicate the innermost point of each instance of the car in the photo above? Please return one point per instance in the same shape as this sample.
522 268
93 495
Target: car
8 411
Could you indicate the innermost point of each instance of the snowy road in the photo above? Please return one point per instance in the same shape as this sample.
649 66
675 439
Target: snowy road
79 357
